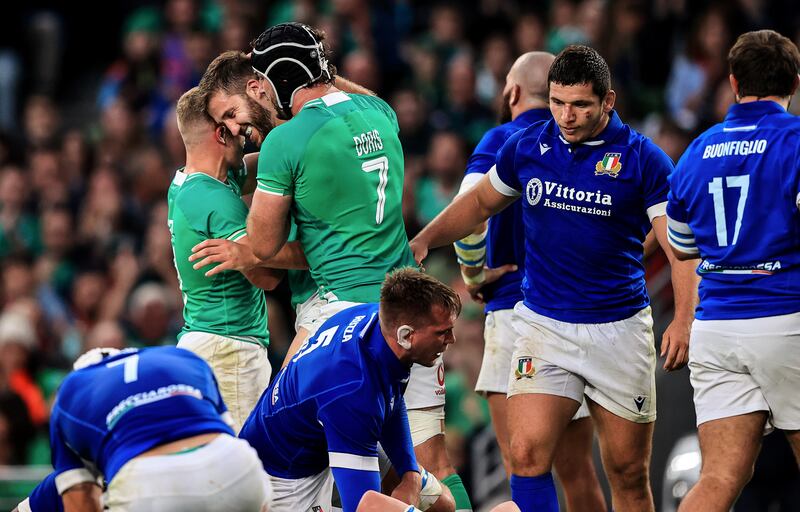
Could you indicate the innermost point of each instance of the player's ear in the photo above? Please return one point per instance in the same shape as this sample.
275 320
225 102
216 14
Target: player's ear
516 92
404 336
254 89
735 86
221 133
609 100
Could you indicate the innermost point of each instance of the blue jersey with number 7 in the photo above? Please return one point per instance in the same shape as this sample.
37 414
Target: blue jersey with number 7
110 412
734 200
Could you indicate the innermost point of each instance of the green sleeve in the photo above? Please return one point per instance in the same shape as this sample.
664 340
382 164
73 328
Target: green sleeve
277 165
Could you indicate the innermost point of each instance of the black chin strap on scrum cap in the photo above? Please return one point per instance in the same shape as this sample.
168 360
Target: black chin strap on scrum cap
289 57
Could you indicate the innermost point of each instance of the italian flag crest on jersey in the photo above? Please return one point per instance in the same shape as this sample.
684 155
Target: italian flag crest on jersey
610 165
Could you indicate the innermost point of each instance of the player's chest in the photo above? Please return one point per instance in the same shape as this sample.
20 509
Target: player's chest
584 181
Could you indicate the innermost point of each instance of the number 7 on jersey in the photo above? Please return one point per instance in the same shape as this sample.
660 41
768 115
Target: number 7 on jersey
382 166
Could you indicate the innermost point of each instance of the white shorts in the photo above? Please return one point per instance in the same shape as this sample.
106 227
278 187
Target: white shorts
426 386
748 365
318 309
226 474
308 312
309 494
612 363
242 370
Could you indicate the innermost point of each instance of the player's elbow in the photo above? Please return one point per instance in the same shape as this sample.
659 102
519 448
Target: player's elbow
683 256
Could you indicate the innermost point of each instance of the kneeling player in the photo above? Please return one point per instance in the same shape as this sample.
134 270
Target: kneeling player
152 423
342 394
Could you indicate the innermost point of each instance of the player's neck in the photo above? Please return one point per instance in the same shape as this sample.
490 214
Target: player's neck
307 94
206 164
391 341
782 101
521 108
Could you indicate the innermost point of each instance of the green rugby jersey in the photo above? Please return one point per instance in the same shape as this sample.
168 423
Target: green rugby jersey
341 159
301 284
227 304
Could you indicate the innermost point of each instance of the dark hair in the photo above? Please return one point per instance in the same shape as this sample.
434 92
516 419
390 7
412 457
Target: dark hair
228 73
764 63
408 295
578 65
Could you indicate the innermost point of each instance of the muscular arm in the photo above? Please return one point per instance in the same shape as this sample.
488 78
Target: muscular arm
461 217
675 342
268 224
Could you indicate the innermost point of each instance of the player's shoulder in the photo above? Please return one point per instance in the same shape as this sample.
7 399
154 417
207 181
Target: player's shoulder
370 101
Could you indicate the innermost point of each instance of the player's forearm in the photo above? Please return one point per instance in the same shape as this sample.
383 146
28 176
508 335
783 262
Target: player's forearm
346 85
83 497
264 278
290 257
268 224
396 441
684 285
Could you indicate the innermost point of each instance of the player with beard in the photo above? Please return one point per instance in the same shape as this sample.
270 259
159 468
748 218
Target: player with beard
337 165
489 259
591 188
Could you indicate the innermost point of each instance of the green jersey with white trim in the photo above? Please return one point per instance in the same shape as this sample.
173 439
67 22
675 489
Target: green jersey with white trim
227 304
341 160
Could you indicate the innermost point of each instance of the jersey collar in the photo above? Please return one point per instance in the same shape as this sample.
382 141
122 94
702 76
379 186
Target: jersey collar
533 115
607 135
752 111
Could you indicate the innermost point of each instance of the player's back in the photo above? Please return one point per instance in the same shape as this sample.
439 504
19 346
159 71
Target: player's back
202 207
738 184
345 373
346 165
113 411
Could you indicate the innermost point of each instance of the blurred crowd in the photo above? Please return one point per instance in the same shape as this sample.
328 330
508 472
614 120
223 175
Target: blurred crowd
85 250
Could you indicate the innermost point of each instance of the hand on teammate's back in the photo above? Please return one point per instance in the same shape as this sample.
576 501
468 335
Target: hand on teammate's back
230 256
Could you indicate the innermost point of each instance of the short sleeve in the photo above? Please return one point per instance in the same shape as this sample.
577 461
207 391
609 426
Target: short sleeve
69 469
679 234
505 177
227 216
276 169
45 496
656 167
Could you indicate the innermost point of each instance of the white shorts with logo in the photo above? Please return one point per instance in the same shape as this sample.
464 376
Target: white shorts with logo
742 366
425 386
611 363
309 494
242 370
308 312
226 474
499 336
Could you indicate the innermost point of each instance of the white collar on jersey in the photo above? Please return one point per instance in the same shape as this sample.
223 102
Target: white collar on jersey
585 143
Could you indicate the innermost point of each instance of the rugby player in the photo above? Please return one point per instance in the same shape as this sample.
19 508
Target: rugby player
342 393
591 188
733 203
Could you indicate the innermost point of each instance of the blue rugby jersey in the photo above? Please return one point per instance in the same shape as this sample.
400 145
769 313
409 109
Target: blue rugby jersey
734 201
339 396
505 243
587 208
110 412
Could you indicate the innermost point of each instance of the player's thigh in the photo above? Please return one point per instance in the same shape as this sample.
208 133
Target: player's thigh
432 455
499 337
794 440
625 445
721 379
621 366
498 411
718 436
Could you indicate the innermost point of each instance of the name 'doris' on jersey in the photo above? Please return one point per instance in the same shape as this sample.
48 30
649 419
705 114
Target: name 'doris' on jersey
735 147
367 143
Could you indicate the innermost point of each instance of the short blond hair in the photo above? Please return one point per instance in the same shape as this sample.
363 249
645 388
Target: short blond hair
191 114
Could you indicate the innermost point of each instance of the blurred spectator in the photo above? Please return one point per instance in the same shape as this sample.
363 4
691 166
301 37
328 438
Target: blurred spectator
150 314
41 121
17 342
564 29
18 228
106 334
496 60
55 267
18 278
447 159
360 67
461 110
16 429
529 34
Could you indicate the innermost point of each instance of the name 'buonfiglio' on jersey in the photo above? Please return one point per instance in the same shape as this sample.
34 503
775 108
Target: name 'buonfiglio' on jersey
587 208
341 159
734 199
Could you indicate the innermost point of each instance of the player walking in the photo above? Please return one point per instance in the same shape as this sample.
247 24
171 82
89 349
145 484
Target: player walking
734 200
591 188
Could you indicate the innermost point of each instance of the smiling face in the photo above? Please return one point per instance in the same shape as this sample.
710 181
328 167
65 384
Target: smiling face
242 115
579 112
430 340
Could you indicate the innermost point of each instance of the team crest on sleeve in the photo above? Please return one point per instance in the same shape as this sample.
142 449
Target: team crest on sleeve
524 368
610 165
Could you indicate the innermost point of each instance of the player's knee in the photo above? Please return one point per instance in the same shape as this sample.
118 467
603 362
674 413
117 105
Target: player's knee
577 471
527 458
733 476
628 474
445 503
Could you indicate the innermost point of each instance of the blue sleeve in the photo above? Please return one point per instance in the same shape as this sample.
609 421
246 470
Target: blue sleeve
676 208
483 158
353 483
69 468
352 431
45 497
505 162
656 166
396 440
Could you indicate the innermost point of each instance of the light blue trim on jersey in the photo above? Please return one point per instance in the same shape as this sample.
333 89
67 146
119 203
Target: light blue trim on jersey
470 247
